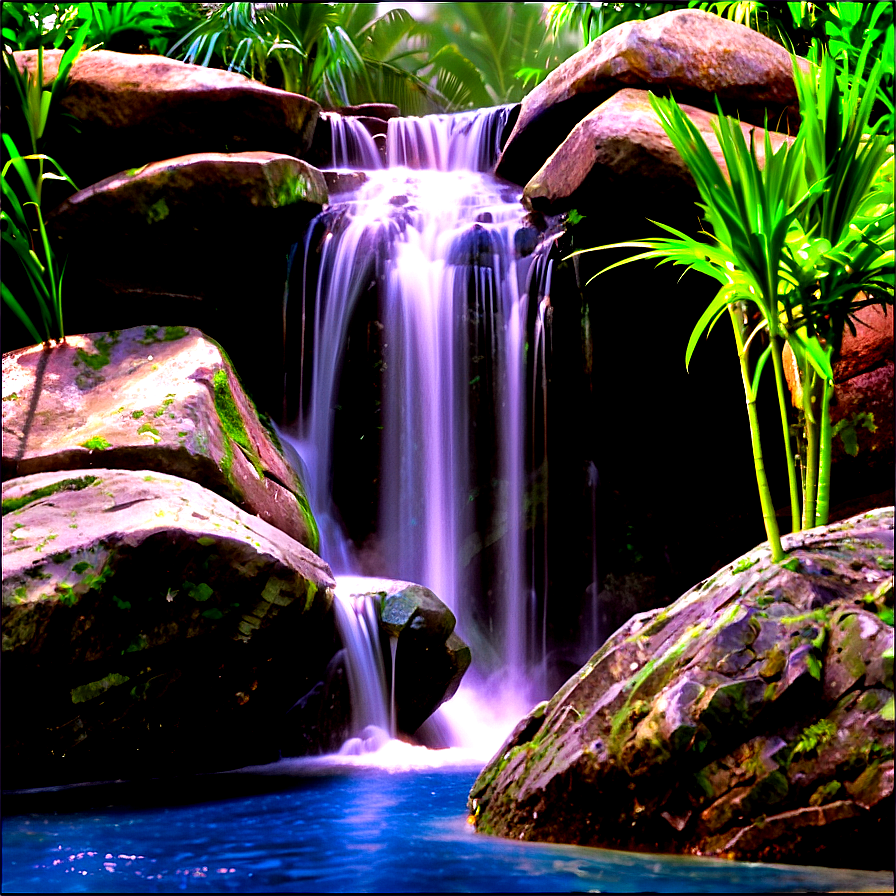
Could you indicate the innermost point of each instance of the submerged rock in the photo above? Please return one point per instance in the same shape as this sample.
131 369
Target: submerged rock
149 627
154 398
751 719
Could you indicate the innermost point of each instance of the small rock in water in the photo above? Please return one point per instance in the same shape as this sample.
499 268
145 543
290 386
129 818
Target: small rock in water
485 217
398 200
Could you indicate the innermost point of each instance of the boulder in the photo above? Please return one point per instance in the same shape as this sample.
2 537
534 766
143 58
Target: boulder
430 658
162 228
695 55
198 192
144 108
620 149
862 405
751 719
149 627
154 398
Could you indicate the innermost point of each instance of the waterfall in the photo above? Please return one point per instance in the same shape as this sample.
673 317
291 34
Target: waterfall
441 258
352 146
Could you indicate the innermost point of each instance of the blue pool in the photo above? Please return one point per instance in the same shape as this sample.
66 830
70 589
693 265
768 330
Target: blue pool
319 826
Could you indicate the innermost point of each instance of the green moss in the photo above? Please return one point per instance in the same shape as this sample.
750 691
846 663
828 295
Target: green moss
64 485
83 566
174 333
61 557
11 397
149 428
227 410
103 345
121 604
97 688
97 443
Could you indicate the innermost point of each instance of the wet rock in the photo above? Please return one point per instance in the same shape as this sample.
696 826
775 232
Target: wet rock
696 55
752 718
149 627
142 109
620 149
162 399
472 247
524 241
430 658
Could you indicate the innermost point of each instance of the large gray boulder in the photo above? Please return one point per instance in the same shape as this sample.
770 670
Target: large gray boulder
164 399
620 151
753 718
149 627
695 55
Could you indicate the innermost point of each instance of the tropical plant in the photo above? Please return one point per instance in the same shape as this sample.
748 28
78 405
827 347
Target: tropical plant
336 53
22 224
806 239
507 46
112 26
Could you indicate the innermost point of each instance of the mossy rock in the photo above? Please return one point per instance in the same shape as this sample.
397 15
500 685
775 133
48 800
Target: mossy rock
157 398
752 718
149 621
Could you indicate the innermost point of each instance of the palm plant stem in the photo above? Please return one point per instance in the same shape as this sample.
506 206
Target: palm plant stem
824 463
781 387
811 410
765 496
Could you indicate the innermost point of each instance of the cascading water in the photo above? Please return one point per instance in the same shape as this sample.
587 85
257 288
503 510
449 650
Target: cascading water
452 262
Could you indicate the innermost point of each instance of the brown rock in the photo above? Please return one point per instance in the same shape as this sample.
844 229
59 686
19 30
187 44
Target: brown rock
622 147
149 398
870 347
141 109
870 392
195 192
696 55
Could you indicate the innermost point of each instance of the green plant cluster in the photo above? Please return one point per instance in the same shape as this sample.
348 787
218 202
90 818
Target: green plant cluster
800 239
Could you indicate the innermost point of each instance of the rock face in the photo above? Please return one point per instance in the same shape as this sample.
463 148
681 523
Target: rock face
424 627
149 627
623 142
696 55
862 406
144 108
149 398
752 718
190 192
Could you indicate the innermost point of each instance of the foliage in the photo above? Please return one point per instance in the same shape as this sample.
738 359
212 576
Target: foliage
129 27
506 46
336 53
805 239
22 219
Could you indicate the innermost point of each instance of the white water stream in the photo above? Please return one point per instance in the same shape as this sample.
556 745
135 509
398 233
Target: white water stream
456 265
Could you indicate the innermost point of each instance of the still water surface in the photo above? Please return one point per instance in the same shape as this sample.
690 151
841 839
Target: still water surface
347 828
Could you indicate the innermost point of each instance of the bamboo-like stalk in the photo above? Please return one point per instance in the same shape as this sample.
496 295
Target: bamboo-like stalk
765 496
812 424
822 509
781 386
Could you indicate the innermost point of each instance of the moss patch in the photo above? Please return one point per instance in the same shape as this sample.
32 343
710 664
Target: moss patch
64 485
99 358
